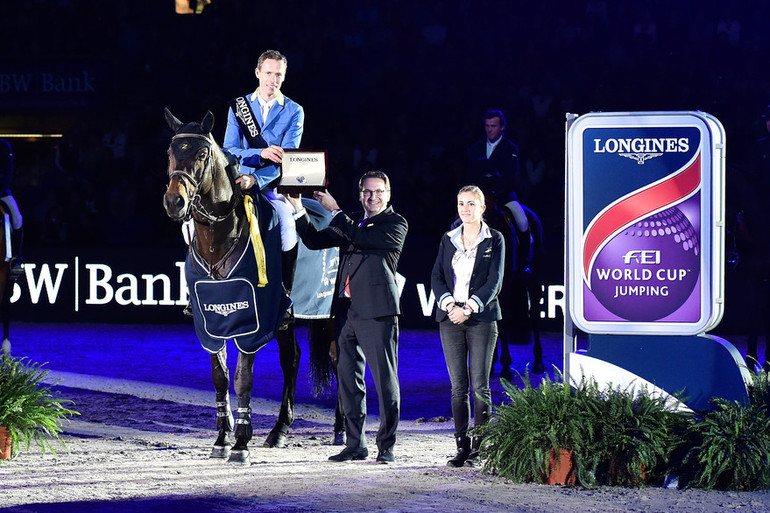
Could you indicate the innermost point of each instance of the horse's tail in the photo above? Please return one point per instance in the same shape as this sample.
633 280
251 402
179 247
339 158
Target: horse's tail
322 363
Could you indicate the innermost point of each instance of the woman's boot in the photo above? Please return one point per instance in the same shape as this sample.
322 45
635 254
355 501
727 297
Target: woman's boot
474 459
463 450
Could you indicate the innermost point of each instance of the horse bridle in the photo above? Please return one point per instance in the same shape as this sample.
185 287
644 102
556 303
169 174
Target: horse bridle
195 198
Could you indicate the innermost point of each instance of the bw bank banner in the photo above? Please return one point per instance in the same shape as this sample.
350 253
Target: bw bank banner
645 222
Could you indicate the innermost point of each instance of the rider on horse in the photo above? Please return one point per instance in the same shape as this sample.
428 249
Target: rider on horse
9 203
259 126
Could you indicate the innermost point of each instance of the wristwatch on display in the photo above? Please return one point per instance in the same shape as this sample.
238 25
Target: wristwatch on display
467 311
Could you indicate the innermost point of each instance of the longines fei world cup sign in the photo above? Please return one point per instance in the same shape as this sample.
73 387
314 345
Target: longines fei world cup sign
645 222
644 262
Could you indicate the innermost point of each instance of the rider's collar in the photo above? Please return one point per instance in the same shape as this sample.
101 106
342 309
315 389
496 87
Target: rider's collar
279 97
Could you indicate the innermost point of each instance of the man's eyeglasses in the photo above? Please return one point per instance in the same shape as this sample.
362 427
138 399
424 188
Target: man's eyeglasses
379 192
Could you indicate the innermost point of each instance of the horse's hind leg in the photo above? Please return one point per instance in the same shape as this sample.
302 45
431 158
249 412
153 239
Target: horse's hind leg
244 382
289 353
221 378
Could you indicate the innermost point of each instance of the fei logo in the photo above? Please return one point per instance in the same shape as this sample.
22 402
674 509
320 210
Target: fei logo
642 256
647 271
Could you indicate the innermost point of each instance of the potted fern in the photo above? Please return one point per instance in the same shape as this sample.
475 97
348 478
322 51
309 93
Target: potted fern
539 431
29 410
730 445
635 434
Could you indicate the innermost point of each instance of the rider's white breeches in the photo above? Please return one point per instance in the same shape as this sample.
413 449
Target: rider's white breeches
285 219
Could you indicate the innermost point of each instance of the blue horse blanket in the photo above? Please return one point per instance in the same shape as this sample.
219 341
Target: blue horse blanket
316 271
234 308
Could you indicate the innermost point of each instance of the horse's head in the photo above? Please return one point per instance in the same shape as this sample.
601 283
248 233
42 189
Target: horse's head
192 155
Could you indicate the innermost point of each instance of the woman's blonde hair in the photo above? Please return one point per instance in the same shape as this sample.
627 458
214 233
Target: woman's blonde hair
476 192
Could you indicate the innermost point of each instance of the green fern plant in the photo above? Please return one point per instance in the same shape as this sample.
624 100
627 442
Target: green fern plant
29 408
635 435
730 448
519 437
759 389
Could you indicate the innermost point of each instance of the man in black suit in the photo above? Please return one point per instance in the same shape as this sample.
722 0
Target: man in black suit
365 306
494 160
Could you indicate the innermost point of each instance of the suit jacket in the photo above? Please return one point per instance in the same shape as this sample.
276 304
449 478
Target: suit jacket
486 279
369 256
500 171
283 127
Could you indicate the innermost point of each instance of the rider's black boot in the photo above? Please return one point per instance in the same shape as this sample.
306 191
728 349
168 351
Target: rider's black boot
288 268
17 263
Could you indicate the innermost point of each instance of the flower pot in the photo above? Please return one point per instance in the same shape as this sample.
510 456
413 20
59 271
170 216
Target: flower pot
5 443
561 468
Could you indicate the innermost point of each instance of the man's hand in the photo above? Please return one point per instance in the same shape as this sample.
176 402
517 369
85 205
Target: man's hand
326 200
273 154
246 182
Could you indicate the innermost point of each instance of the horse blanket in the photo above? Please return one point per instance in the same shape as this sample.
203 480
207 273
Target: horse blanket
234 307
316 271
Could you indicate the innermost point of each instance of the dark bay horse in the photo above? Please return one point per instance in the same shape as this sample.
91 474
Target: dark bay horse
233 271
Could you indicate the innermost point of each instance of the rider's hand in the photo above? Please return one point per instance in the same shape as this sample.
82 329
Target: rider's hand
246 182
295 200
272 153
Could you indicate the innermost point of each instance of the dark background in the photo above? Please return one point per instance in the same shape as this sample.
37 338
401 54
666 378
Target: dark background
399 85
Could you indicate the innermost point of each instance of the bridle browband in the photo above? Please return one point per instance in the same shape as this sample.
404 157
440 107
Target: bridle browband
195 198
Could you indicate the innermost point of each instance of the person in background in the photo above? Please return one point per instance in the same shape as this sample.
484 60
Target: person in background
466 280
494 158
9 204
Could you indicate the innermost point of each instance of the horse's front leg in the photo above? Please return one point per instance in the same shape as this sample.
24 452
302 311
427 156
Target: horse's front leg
221 378
289 353
244 382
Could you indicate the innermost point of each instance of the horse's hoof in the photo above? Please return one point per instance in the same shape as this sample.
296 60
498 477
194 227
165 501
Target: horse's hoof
277 437
220 452
239 457
275 440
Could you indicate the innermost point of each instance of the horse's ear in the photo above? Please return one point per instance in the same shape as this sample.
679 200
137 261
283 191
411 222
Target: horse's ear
172 121
208 122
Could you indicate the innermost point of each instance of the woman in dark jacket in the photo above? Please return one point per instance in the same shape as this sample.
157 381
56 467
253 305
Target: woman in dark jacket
466 279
